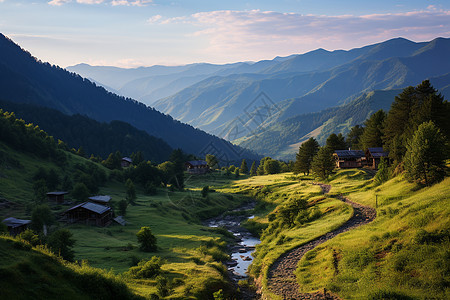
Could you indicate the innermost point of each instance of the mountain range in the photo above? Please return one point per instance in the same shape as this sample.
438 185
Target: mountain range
25 79
240 101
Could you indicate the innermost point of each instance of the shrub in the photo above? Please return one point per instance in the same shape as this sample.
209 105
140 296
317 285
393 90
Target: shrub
146 239
146 268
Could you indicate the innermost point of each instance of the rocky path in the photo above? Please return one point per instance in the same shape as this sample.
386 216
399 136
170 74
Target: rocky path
281 278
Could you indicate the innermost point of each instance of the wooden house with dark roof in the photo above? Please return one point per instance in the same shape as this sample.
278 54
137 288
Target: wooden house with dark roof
57 196
374 155
126 162
16 226
90 214
197 167
349 158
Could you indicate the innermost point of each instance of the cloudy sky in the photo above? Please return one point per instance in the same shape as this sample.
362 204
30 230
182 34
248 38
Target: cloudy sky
130 33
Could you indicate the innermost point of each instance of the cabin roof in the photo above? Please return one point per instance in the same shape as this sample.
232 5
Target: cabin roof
377 152
349 153
120 220
13 222
97 208
57 193
101 198
127 159
197 162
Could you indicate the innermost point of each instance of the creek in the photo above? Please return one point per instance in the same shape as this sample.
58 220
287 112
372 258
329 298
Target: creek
244 245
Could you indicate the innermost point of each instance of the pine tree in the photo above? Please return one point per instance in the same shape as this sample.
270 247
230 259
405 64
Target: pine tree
336 142
426 154
131 191
323 163
305 155
253 169
353 137
373 131
243 169
411 108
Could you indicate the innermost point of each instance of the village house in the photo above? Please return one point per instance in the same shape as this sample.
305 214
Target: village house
197 167
16 226
349 158
90 214
57 197
100 199
374 155
126 162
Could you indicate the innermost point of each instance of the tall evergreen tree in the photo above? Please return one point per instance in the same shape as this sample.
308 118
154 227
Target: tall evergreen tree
243 169
411 108
373 131
130 191
253 169
425 155
336 142
323 163
178 158
305 155
354 136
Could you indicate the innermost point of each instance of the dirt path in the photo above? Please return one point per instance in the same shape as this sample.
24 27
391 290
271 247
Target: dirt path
281 278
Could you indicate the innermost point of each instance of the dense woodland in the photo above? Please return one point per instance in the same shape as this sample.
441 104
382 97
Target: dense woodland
99 139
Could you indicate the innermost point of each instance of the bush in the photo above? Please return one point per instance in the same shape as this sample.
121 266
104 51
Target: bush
146 268
146 239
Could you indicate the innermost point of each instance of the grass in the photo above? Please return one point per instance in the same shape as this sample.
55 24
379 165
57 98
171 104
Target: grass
403 254
31 273
273 191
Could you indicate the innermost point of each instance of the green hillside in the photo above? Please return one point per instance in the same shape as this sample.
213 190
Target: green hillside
403 254
35 273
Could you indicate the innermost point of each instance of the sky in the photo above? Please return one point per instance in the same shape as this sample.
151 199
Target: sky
132 33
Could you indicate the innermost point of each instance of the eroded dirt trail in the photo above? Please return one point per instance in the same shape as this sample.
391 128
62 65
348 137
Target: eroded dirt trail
281 276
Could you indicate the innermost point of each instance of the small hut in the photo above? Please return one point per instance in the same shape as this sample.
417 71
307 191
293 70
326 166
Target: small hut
101 199
197 167
374 155
126 162
57 197
16 226
90 214
349 158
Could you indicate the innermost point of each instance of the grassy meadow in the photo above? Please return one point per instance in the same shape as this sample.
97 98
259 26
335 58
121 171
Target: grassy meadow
403 254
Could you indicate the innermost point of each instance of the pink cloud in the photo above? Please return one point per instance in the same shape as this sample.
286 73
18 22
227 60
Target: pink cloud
232 33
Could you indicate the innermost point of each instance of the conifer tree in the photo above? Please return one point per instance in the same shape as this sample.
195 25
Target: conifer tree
426 154
243 169
305 156
253 169
336 142
323 163
373 131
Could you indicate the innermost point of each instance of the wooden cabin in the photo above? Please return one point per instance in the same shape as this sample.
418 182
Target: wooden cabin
57 197
90 214
100 199
197 167
16 226
374 155
126 162
349 158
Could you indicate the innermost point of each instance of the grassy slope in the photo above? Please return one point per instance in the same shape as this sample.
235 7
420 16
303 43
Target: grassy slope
280 188
387 257
174 217
27 273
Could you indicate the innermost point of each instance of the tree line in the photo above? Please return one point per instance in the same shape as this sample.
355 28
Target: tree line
415 132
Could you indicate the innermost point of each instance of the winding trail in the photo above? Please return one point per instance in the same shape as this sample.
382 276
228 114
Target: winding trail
281 277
